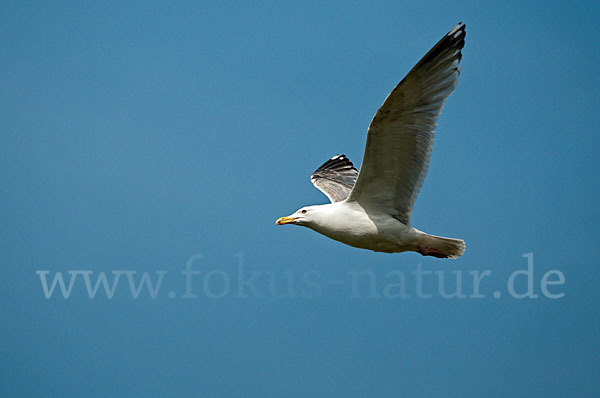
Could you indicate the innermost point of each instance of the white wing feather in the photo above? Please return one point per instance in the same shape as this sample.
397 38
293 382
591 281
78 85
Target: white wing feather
400 137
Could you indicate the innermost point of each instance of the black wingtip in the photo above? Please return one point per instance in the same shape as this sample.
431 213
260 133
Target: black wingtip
454 39
337 162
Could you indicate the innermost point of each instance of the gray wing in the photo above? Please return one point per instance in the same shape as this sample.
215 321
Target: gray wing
400 137
335 178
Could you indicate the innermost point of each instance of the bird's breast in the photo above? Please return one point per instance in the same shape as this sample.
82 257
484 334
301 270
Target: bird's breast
366 231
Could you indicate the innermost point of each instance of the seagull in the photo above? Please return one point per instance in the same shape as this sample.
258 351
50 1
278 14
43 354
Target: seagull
371 209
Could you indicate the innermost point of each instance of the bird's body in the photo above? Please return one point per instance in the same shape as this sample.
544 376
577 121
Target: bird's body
371 209
349 223
372 229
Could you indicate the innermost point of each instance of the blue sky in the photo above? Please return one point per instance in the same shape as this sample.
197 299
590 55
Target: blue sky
136 136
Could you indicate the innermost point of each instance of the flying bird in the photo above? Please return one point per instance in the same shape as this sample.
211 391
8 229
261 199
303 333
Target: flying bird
371 209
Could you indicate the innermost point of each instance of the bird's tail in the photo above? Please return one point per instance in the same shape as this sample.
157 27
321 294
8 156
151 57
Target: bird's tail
440 247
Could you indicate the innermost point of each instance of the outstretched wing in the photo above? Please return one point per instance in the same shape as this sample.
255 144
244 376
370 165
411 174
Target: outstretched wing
400 137
335 178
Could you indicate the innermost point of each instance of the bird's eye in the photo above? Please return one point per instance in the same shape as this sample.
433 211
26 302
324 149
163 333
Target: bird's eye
303 211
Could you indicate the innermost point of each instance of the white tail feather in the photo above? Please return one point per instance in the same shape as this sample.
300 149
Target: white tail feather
441 247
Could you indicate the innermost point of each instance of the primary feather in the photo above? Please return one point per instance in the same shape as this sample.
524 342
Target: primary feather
335 178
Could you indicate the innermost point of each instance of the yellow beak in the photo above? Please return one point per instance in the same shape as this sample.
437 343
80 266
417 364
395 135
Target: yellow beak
285 220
